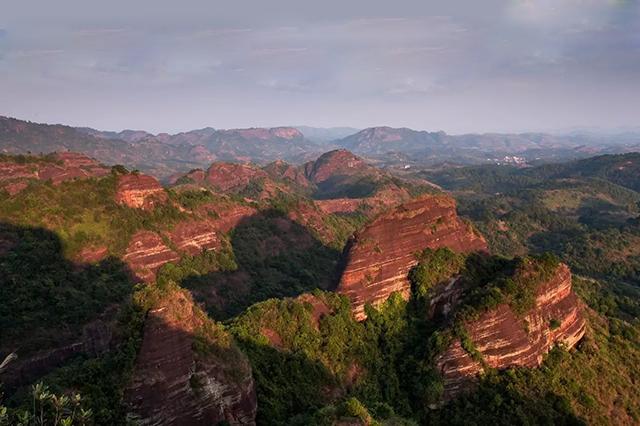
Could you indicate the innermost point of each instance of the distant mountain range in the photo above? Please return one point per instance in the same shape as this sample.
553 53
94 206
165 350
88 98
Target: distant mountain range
165 154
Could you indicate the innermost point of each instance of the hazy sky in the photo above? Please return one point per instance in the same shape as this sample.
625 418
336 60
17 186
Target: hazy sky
458 66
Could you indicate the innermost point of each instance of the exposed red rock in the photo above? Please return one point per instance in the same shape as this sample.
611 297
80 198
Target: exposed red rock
11 170
311 217
285 171
287 133
195 175
146 253
194 237
378 259
189 371
229 215
506 340
339 162
92 254
319 307
139 191
340 205
58 168
228 176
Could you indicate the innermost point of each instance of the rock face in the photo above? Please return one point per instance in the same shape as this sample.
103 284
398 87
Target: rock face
139 191
378 259
189 371
194 237
57 168
335 163
228 176
506 340
146 253
95 340
285 171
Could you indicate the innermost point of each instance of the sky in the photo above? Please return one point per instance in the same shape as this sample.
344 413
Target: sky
458 66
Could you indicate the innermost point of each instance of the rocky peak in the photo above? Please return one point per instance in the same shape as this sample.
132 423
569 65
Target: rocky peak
284 171
189 370
139 191
505 339
381 134
228 176
337 162
377 259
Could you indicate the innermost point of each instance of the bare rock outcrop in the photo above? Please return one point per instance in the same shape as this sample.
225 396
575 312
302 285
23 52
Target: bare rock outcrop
56 168
229 176
146 253
194 237
505 339
140 191
378 259
336 163
189 371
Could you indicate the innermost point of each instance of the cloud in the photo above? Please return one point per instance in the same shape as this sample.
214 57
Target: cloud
498 62
37 53
280 50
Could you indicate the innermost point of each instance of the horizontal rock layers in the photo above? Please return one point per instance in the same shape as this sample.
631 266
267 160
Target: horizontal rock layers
56 168
378 259
194 237
139 191
188 371
146 253
506 340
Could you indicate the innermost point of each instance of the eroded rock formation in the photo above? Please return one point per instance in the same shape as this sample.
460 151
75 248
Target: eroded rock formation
139 191
56 168
378 259
146 253
336 163
189 371
228 176
194 237
505 339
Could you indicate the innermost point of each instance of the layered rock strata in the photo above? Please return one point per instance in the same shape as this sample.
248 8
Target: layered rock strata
505 339
146 253
189 371
378 259
140 191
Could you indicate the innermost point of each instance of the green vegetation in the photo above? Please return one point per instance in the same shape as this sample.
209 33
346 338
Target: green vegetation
275 257
586 214
434 266
48 408
42 291
83 213
29 159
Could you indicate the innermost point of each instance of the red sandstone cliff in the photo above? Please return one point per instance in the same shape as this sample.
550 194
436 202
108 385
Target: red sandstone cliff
139 191
194 237
146 253
189 371
506 340
378 259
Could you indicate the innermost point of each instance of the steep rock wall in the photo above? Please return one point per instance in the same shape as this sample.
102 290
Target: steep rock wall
506 340
189 371
140 191
378 259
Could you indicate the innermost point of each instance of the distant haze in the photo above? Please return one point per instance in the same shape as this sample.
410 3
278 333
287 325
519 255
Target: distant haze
458 66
